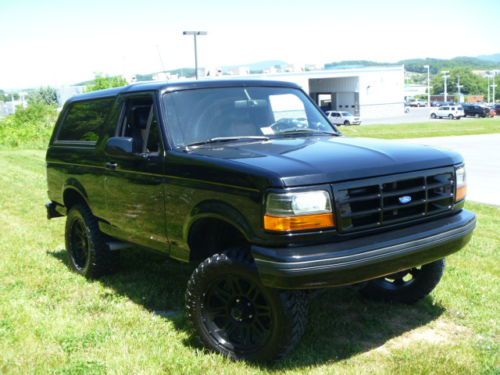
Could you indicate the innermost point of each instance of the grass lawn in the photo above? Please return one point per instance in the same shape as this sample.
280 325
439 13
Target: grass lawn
54 321
436 128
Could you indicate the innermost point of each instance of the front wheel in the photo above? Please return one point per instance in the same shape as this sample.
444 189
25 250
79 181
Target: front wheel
450 116
433 115
407 286
235 315
346 122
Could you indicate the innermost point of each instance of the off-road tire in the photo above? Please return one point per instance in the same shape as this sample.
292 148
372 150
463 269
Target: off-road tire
289 308
426 279
99 260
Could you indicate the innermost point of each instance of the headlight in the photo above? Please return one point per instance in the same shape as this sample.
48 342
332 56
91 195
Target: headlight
461 188
298 211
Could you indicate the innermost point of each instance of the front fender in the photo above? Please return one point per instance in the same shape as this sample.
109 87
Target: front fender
214 209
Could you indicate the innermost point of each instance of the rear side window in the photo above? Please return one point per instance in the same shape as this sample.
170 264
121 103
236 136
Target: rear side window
84 119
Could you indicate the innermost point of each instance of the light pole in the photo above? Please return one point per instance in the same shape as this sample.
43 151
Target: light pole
428 85
459 86
195 34
493 85
488 76
445 77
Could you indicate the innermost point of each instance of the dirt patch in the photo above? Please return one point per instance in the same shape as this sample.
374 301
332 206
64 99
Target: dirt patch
436 333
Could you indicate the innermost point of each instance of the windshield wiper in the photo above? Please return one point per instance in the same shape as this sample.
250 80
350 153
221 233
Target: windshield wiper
229 139
306 131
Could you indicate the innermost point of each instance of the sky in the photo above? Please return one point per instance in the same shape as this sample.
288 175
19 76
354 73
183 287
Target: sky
53 42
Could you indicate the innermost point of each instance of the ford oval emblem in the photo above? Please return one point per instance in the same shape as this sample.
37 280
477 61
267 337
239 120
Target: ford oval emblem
405 199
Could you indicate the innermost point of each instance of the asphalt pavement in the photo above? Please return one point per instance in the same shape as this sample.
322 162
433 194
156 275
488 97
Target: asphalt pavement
482 161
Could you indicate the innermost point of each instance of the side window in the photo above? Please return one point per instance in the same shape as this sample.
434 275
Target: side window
84 120
140 122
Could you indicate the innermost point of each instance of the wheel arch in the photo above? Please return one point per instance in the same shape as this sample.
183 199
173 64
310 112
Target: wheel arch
215 225
73 193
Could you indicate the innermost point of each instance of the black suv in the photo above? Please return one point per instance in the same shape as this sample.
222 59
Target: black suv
250 182
475 110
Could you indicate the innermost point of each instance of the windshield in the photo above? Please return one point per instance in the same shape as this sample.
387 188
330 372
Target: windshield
201 115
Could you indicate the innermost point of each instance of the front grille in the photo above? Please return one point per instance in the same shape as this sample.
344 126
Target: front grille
378 202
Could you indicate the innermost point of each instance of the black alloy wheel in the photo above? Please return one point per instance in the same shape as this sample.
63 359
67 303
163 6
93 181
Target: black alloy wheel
89 254
237 314
79 244
407 286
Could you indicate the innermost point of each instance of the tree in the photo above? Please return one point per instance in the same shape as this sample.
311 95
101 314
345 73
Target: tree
472 84
43 95
105 82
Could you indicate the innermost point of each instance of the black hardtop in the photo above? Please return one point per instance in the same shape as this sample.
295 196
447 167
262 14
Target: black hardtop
179 85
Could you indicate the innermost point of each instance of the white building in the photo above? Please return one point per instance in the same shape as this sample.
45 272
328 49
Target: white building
374 92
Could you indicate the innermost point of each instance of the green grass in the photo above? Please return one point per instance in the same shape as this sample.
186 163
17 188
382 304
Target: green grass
437 128
54 321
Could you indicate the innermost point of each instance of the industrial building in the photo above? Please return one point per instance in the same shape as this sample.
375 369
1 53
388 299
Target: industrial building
373 92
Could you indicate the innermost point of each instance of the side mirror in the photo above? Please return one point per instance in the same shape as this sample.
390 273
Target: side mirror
121 147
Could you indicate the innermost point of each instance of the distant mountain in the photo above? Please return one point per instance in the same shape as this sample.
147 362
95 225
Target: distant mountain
494 57
418 65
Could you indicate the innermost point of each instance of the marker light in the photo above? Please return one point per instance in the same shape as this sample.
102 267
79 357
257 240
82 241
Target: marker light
461 188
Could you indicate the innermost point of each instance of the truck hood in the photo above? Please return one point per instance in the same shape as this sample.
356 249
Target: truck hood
315 160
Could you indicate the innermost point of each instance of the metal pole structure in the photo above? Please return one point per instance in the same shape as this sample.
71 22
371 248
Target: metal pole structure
195 35
459 86
493 85
488 76
445 77
428 85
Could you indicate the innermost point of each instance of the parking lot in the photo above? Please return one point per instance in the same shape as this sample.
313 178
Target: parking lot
482 158
421 114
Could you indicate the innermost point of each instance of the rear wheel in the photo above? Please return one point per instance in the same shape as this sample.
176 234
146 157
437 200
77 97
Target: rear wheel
407 286
450 116
433 115
88 252
235 315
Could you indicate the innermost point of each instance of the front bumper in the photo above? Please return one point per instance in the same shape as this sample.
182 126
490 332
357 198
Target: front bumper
360 259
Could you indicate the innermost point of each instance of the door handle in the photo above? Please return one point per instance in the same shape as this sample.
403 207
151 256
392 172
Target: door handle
110 165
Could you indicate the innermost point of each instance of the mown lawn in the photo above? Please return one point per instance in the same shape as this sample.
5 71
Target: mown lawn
53 321
435 128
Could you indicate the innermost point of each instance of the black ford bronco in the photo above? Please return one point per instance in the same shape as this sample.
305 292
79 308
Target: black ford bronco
248 180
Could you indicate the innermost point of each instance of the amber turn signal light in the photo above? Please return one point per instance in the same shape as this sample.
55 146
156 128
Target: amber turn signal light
461 193
297 223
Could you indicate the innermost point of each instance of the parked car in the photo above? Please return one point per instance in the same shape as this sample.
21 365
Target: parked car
474 110
451 112
250 182
342 118
418 103
496 108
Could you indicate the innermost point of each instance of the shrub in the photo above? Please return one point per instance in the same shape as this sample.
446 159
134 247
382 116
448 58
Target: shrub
29 127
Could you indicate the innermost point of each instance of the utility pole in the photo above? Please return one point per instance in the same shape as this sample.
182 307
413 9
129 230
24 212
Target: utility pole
195 34
445 77
428 85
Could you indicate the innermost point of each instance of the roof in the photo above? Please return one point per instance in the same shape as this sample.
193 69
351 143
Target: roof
180 85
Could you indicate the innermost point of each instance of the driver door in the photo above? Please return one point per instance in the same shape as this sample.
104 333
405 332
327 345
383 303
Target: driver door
134 187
